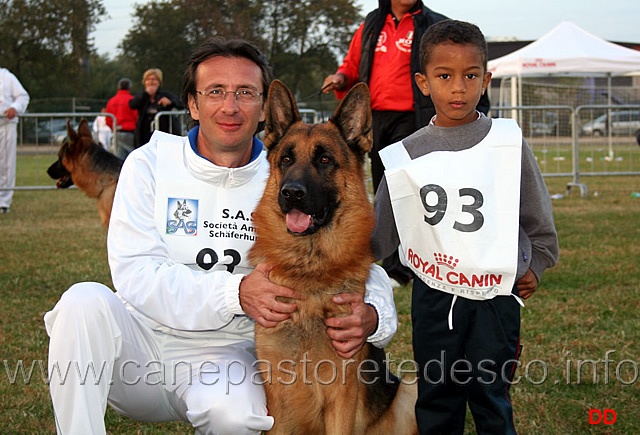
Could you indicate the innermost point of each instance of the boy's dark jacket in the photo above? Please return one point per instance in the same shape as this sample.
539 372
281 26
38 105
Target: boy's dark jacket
373 24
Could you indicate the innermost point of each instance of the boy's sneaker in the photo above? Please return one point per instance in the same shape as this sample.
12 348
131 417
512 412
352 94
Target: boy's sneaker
4 210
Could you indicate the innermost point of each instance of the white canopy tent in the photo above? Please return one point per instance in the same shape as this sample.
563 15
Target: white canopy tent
566 50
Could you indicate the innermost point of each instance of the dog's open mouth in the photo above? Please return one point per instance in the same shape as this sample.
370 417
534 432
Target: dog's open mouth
300 223
64 182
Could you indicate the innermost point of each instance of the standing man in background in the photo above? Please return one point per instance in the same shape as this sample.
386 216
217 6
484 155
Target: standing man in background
14 100
384 54
126 118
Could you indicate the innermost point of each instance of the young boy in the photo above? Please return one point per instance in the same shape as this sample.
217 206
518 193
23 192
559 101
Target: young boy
465 201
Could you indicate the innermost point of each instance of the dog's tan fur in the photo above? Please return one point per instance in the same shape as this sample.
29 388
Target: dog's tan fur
94 170
334 259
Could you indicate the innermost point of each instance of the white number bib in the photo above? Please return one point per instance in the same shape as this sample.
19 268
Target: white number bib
457 213
203 225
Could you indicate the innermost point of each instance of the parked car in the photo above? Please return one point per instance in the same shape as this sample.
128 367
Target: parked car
57 137
42 131
544 124
623 122
309 116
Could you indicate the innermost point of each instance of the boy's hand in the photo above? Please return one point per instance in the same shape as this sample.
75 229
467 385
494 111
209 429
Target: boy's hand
527 285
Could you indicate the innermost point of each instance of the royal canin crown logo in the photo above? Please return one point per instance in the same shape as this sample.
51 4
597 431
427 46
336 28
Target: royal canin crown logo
435 273
445 260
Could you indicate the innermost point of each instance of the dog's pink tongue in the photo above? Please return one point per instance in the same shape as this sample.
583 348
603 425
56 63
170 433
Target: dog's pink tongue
297 221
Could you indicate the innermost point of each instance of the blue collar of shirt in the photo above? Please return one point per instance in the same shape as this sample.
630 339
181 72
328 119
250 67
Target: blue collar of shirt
256 148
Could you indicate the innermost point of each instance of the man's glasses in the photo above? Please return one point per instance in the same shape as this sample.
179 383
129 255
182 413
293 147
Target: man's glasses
244 96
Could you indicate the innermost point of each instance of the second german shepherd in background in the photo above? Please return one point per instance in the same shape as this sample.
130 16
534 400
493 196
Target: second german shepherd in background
83 162
314 227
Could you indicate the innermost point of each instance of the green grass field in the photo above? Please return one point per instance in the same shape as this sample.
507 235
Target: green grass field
586 310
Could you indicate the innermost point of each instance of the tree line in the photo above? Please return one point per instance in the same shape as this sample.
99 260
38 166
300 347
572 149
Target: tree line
47 44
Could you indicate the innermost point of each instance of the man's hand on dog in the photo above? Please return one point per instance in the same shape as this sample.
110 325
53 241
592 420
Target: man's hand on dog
349 333
258 298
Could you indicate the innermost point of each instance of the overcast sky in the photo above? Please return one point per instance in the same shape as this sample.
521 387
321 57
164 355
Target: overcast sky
613 20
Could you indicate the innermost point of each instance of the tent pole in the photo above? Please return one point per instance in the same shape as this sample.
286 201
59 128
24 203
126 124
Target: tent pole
514 97
609 130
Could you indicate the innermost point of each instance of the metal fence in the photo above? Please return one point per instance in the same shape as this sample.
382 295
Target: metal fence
181 116
568 142
590 140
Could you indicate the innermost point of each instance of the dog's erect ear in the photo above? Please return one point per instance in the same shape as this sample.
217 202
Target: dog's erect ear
71 134
353 118
280 113
84 129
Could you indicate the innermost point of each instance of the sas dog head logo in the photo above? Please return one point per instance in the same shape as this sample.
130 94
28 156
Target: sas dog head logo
182 216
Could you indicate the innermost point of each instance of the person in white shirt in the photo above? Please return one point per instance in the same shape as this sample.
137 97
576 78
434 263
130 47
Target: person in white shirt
102 132
14 100
176 339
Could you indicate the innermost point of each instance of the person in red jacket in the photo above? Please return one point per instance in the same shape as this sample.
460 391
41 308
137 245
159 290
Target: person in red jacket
384 54
126 118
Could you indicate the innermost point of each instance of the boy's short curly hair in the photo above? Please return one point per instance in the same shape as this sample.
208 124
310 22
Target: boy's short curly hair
452 31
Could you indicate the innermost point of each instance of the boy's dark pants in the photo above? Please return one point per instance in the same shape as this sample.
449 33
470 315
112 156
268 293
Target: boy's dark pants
474 363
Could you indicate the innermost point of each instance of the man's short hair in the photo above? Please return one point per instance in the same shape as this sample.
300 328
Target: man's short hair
230 48
124 84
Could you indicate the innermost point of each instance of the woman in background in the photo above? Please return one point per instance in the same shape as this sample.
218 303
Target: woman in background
151 101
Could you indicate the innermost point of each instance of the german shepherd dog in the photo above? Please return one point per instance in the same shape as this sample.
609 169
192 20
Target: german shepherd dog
313 225
83 162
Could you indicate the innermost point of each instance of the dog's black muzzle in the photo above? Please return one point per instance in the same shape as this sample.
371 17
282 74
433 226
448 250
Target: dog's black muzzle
57 171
